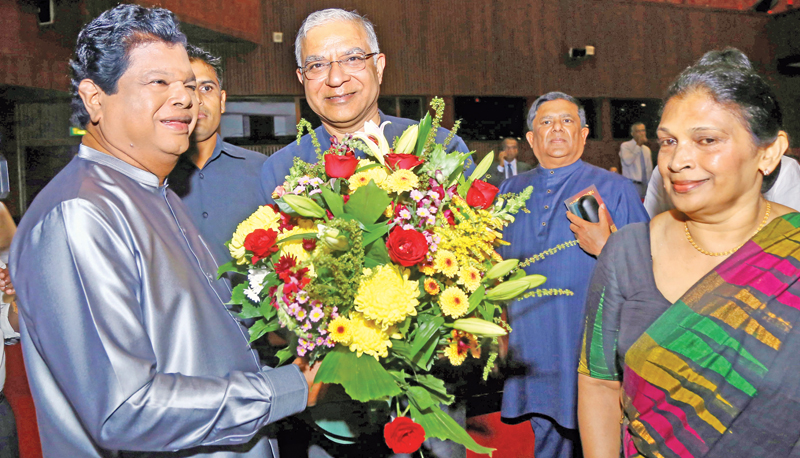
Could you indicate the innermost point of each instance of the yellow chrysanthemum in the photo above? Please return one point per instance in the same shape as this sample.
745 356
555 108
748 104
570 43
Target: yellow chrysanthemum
445 262
454 302
368 337
431 287
455 354
427 269
402 180
387 296
340 330
470 277
376 174
263 218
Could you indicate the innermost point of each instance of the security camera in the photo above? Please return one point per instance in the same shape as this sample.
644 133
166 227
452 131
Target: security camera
581 53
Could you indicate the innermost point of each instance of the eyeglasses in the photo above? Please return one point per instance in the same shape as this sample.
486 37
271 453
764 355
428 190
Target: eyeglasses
349 64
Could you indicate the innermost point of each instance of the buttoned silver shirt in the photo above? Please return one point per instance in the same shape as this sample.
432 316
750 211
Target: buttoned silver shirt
128 344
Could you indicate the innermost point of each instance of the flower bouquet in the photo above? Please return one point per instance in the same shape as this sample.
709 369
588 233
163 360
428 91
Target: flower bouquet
381 266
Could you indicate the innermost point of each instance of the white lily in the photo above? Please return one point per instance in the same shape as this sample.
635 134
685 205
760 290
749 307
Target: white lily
373 137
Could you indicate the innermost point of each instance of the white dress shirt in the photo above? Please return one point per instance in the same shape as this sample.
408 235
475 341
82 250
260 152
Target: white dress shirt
632 157
510 169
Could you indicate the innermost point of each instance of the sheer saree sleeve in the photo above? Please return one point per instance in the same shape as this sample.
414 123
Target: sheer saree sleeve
603 315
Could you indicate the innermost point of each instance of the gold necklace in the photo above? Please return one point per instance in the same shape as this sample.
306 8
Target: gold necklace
724 253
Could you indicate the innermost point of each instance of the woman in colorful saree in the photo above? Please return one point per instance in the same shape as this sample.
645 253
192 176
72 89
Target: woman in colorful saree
693 321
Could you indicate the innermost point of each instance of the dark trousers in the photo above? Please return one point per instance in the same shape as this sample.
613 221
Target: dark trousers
555 441
9 447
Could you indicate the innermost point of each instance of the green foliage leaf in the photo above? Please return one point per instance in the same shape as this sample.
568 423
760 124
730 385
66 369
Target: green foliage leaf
426 330
434 384
420 397
458 176
402 349
368 203
436 388
373 232
283 355
482 168
230 266
403 328
399 376
447 163
363 379
334 201
237 294
424 359
308 235
476 298
267 310
367 167
438 424
487 311
258 330
376 255
422 135
249 311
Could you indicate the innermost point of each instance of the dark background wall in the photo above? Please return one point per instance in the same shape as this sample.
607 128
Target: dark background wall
443 48
479 48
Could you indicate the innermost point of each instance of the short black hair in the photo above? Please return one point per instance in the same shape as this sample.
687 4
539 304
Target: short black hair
104 45
728 77
215 62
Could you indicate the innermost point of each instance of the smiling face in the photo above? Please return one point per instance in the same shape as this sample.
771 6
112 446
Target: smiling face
211 100
707 158
556 136
148 121
343 101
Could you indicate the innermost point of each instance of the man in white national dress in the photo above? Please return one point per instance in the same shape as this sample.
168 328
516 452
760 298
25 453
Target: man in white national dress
129 348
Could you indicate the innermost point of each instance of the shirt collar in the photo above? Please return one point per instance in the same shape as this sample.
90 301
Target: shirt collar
219 150
561 172
135 173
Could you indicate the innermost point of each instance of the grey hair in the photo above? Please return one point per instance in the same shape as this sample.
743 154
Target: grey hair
322 17
636 124
549 97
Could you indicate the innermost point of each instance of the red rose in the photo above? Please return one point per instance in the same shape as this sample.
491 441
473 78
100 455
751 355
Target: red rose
481 194
340 166
403 435
448 214
402 161
261 242
407 247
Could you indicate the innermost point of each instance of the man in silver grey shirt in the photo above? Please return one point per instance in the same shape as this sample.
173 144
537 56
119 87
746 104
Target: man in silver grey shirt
129 347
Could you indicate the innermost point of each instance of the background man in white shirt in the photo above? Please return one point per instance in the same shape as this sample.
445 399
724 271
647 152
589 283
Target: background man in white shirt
637 164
